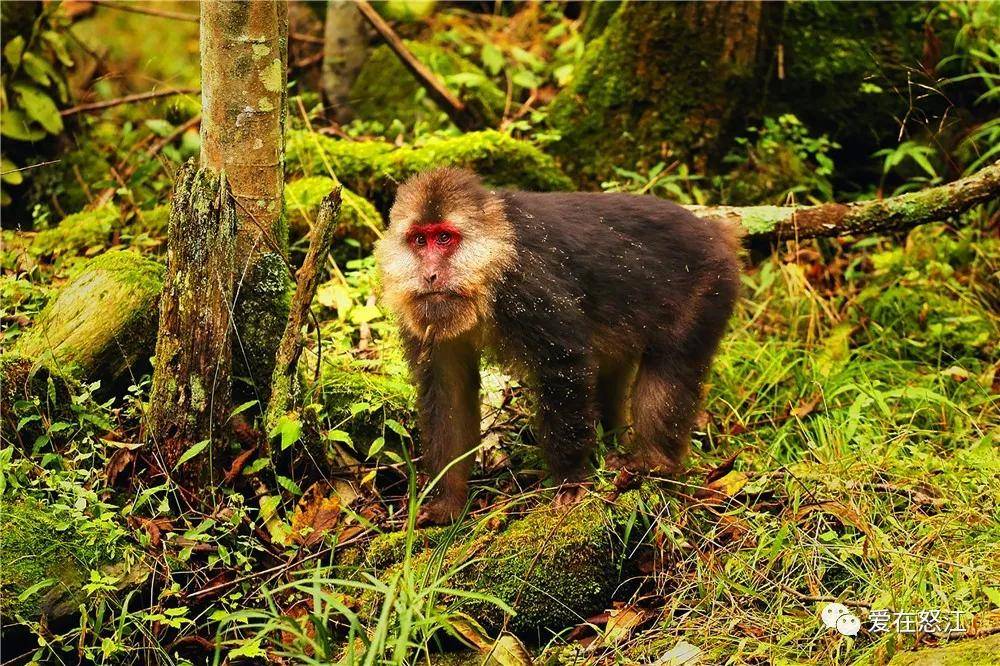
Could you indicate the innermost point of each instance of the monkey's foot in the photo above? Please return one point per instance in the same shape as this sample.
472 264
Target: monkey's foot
440 511
641 463
569 494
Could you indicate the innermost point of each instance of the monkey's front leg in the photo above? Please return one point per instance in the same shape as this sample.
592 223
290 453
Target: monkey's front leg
448 403
566 415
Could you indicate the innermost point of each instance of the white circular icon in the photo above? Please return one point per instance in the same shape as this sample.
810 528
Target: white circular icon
833 612
848 624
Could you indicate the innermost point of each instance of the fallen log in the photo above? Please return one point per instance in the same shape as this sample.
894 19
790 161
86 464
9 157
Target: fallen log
774 223
102 323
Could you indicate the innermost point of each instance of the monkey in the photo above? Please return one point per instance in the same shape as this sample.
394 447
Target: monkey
609 305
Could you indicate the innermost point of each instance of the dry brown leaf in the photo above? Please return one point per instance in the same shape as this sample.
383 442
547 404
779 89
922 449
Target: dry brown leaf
315 514
622 622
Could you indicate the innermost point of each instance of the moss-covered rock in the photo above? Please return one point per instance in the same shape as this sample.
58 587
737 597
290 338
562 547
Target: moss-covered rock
362 398
101 322
385 90
973 652
551 567
358 218
373 169
46 560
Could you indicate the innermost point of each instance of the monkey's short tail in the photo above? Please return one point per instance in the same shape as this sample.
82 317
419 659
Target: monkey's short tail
733 235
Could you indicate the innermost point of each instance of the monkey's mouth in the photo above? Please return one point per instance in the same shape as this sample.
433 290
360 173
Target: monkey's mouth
443 294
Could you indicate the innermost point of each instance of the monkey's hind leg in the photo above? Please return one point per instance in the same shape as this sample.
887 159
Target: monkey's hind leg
665 403
614 386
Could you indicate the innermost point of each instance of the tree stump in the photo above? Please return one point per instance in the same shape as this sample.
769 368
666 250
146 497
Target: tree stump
192 380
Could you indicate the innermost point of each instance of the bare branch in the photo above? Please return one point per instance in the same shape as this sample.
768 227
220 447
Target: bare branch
457 111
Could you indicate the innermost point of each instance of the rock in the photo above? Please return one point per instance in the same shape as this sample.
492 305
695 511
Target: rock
970 652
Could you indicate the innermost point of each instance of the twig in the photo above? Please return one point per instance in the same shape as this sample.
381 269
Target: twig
307 280
127 99
30 166
457 111
145 9
308 39
150 153
185 16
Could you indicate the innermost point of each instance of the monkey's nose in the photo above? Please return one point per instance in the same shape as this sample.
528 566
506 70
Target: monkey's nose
431 279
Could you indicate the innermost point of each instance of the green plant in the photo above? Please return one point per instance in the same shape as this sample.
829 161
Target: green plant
779 160
34 69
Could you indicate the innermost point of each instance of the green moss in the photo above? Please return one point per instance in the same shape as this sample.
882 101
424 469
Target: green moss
358 218
77 233
972 652
550 570
261 314
346 385
36 547
25 379
763 219
103 321
152 222
385 90
374 168
550 567
844 65
621 109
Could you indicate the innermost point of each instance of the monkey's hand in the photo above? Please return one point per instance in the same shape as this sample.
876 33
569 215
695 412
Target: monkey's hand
569 494
440 511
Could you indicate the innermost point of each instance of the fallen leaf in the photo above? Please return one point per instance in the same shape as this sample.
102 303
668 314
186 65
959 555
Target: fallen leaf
682 654
315 514
117 463
730 484
722 469
508 651
806 407
238 463
622 622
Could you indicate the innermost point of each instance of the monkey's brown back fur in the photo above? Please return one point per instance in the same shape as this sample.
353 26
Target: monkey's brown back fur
612 304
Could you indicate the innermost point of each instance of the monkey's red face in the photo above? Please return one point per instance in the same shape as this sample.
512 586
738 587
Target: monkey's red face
447 244
434 243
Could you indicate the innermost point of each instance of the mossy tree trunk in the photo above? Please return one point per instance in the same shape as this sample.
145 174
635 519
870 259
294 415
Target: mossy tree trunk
665 81
345 49
244 52
191 383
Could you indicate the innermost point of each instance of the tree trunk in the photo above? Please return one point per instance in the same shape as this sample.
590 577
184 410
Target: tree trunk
345 49
244 51
191 383
665 81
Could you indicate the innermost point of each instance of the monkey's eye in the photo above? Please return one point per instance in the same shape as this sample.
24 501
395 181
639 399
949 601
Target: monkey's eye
443 238
420 240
